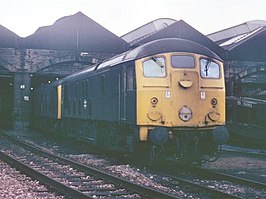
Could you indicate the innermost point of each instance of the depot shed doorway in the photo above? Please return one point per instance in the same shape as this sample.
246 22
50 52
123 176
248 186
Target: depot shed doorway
6 101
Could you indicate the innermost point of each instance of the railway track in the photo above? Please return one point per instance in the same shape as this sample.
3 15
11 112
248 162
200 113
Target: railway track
218 185
246 151
71 178
199 182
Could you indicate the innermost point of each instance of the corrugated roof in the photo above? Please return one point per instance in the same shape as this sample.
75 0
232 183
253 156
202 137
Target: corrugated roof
173 29
150 28
237 30
246 42
237 40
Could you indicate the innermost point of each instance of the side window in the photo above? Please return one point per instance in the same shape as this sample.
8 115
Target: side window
130 79
154 67
182 61
209 69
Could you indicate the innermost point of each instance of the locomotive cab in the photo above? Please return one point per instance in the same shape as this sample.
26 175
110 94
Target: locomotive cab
181 101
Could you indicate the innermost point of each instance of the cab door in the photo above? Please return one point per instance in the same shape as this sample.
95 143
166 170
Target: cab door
153 86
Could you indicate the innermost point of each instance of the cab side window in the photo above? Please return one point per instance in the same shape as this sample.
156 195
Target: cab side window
154 67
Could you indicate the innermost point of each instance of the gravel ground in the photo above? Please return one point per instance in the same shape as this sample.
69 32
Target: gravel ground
240 165
245 166
15 185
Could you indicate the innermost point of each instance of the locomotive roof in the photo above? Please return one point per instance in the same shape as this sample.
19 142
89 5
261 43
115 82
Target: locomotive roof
170 45
160 46
152 48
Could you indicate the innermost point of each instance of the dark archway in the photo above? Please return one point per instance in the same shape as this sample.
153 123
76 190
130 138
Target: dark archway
6 101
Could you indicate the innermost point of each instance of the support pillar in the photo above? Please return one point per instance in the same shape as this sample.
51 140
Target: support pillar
21 111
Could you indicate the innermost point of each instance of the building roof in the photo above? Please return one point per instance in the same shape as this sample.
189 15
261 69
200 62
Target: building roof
70 33
8 39
76 33
238 39
169 28
245 42
235 31
144 31
231 37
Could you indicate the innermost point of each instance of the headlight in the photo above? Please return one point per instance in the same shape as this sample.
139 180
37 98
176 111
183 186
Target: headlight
185 113
154 101
214 101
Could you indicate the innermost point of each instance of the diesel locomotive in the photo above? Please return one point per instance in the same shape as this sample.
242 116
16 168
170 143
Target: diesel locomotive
165 98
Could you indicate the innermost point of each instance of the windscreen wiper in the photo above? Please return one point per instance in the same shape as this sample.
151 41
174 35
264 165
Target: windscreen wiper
157 61
207 66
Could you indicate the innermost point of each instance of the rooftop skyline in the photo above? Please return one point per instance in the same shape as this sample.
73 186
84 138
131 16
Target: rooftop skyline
121 17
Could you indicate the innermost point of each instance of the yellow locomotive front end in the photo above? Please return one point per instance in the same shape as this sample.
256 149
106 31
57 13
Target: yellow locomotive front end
181 104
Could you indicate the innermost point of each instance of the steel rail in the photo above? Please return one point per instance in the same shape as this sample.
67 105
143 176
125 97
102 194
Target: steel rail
228 177
213 175
240 150
144 191
61 188
213 192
